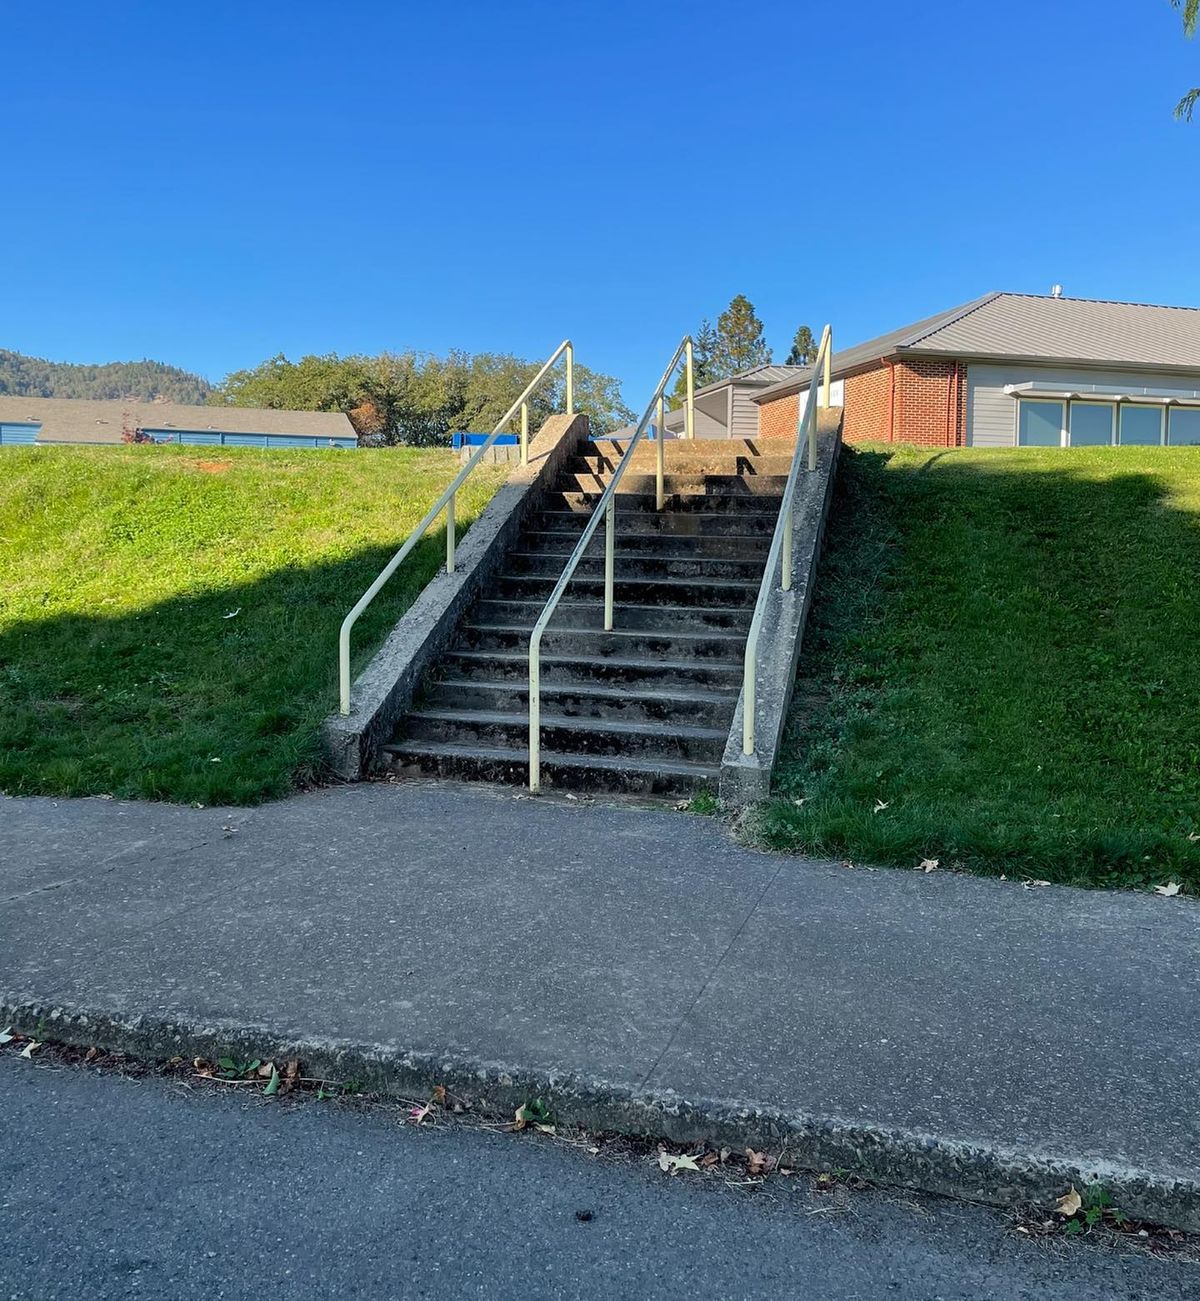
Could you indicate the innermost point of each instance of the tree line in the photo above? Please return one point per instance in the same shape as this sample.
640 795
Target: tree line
142 381
417 398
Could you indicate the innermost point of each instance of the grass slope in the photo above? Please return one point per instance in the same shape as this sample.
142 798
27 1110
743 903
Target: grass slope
120 671
1004 650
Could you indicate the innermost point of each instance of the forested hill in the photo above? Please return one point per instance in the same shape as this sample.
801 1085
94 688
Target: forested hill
22 376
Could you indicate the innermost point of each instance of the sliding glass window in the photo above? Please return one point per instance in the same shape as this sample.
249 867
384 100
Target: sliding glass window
1093 424
1183 429
1141 426
1040 422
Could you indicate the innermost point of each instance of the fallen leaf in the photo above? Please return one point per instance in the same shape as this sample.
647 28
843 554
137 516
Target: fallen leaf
273 1086
1167 891
671 1163
439 1095
7 1036
265 1070
927 865
1193 836
91 1054
233 614
758 1163
1069 1203
709 1159
1030 883
545 1129
29 1048
418 1114
880 805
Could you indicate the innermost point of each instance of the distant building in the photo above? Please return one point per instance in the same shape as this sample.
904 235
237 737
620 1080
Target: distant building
79 420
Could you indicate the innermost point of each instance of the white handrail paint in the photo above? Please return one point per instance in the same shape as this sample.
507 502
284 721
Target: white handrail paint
781 539
446 500
607 505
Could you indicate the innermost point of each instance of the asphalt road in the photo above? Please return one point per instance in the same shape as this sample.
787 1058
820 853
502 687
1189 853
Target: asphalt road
117 1187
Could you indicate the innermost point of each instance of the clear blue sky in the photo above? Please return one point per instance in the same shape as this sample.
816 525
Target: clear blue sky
209 184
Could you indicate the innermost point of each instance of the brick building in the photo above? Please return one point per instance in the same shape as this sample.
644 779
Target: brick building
1016 369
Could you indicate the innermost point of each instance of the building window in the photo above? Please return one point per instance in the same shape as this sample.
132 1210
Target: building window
1184 427
1092 424
1040 423
1141 426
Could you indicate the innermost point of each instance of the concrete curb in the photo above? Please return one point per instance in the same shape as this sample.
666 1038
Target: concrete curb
973 1171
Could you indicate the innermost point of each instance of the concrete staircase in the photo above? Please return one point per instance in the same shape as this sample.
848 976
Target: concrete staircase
647 707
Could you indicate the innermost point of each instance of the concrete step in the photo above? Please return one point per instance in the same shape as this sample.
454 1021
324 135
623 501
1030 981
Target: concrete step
586 643
627 617
630 586
679 524
675 502
695 453
587 772
587 700
647 565
706 545
563 735
559 669
637 482
679 461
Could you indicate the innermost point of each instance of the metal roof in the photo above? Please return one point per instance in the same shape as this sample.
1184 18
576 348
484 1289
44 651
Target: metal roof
1036 328
80 420
755 377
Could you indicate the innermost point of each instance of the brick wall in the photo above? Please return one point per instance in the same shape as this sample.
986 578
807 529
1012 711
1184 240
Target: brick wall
778 419
920 401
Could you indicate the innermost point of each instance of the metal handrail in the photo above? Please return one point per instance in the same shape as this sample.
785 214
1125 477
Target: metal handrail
781 539
608 505
447 500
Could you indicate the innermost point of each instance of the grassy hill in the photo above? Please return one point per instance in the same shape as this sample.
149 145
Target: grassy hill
168 620
145 381
1003 667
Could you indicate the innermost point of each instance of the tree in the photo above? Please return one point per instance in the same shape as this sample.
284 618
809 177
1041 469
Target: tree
804 348
740 343
1191 14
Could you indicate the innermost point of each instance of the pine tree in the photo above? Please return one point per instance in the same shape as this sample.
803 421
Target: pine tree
804 348
740 341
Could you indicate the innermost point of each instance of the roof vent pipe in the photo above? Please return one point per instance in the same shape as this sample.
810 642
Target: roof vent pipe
1056 291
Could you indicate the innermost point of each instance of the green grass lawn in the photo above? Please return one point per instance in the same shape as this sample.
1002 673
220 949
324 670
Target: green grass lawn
169 616
1002 669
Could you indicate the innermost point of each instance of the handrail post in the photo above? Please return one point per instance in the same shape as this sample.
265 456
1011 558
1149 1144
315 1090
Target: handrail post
535 713
827 343
659 494
691 388
524 433
570 379
787 547
610 565
450 534
748 700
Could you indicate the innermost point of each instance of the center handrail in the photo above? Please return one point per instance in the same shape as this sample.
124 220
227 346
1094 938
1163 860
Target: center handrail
781 539
607 505
447 500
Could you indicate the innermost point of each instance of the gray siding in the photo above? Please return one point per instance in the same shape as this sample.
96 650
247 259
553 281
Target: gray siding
992 413
745 413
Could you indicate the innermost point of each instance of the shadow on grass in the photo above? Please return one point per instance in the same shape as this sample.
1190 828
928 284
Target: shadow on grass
212 697
1002 668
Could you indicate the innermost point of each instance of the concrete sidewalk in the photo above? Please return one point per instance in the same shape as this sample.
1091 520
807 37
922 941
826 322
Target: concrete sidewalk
955 1034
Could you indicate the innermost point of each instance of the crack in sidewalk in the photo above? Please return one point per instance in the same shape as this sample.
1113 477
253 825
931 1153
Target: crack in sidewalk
708 980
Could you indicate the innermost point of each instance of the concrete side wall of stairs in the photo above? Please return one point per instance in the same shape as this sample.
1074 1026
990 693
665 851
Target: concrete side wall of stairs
747 777
383 692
